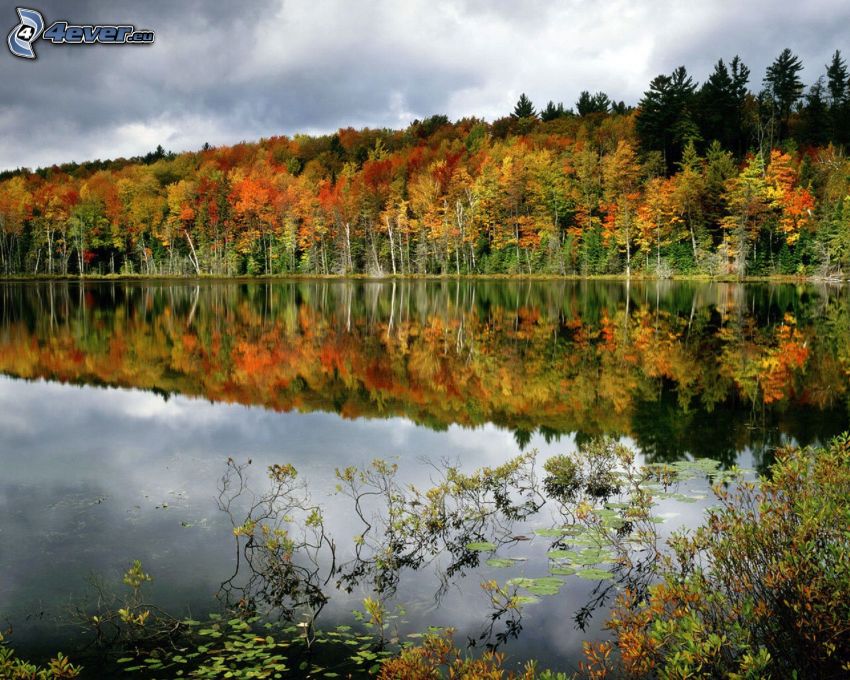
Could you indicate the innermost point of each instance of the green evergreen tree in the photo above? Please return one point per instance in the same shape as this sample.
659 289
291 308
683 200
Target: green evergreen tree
784 88
720 105
720 166
553 111
816 115
524 108
839 99
836 74
665 122
620 108
592 103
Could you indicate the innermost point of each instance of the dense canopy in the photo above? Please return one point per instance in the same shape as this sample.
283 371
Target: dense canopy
709 179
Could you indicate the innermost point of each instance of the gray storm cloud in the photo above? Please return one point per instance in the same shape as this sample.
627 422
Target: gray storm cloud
221 72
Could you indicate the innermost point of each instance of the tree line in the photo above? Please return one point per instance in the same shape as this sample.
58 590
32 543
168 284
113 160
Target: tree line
714 179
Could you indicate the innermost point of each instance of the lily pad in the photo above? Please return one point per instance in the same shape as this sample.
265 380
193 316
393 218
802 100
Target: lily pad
557 532
501 562
574 530
481 546
590 556
550 533
594 574
526 599
545 585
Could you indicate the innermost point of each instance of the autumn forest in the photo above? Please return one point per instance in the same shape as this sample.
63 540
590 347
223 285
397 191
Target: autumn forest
405 341
732 177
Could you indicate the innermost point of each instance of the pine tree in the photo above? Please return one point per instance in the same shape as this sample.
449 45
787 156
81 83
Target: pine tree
836 74
592 103
784 87
524 108
839 99
721 104
620 108
553 111
816 115
665 122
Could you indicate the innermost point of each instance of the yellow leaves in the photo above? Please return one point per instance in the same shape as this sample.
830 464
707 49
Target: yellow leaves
179 198
795 204
282 473
246 529
375 609
779 366
658 216
584 510
780 175
620 172
135 577
127 616
15 204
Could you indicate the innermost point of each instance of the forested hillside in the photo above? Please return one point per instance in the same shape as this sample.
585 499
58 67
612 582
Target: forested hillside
721 178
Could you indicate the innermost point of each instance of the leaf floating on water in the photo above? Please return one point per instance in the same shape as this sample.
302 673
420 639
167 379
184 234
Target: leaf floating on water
558 532
682 498
575 530
481 546
562 571
590 541
501 562
594 574
591 556
545 585
549 533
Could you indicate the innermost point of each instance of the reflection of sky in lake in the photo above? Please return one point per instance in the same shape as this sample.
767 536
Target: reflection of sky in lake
93 478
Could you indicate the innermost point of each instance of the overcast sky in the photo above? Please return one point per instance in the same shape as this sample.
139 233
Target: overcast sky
223 71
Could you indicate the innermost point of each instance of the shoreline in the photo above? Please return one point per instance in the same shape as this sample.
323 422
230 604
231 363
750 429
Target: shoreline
245 278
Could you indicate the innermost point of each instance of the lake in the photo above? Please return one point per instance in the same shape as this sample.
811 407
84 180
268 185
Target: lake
129 412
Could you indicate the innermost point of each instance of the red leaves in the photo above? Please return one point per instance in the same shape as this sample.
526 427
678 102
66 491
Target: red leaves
377 174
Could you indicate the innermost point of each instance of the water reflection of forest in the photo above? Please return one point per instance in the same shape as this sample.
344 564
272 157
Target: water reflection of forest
680 367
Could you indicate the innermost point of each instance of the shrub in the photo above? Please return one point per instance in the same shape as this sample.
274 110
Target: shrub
759 590
590 470
15 668
438 657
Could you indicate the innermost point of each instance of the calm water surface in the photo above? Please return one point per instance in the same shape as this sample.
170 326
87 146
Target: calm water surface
120 404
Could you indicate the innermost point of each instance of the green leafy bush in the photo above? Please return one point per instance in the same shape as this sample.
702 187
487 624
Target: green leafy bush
759 590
